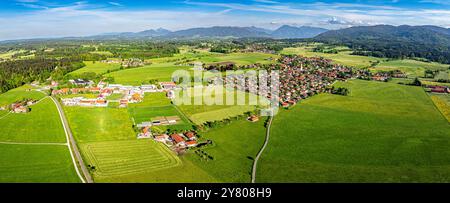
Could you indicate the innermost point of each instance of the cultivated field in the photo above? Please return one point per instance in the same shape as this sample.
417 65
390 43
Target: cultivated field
382 132
442 102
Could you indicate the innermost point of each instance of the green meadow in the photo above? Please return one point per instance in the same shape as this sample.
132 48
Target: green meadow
137 76
20 94
241 58
41 124
412 67
25 159
382 132
234 149
96 67
36 164
91 124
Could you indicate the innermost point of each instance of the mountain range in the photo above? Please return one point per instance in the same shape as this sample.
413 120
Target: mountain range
284 32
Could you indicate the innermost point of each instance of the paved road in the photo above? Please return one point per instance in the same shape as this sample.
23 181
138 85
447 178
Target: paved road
255 163
73 146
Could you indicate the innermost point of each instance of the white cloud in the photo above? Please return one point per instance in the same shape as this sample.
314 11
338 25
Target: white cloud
82 18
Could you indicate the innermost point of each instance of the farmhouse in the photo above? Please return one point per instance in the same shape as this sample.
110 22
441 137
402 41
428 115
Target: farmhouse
162 138
178 140
191 143
168 85
145 133
190 135
19 108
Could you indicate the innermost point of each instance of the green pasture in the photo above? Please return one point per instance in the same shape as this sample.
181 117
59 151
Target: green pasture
90 124
36 164
138 76
96 67
41 124
382 132
235 147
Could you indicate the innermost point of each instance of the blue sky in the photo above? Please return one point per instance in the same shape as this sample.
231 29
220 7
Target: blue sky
58 18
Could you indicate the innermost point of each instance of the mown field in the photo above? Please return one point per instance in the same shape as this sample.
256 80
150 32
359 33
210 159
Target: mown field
382 132
235 147
36 164
96 67
128 157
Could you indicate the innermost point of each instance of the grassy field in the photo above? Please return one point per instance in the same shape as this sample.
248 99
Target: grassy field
42 124
137 76
97 67
382 132
235 147
36 164
442 102
19 94
412 67
241 58
99 124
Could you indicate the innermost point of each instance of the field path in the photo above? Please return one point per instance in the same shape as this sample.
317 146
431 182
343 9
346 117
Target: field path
71 143
255 163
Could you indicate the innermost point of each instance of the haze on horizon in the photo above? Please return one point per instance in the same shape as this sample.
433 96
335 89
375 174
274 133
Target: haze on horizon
25 19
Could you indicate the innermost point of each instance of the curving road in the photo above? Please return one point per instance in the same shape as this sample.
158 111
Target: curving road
72 144
255 163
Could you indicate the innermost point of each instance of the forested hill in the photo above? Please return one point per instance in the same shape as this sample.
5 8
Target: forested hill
430 42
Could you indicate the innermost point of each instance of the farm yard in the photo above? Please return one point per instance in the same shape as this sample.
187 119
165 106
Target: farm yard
382 132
